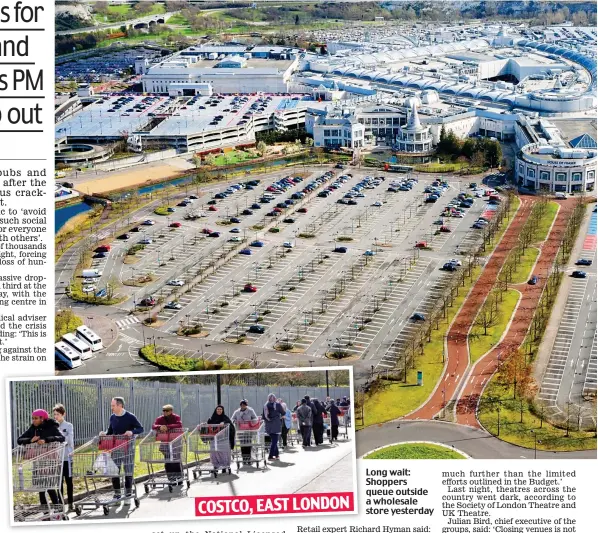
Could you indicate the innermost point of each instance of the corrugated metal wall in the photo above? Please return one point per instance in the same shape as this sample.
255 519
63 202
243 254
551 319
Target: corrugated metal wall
87 401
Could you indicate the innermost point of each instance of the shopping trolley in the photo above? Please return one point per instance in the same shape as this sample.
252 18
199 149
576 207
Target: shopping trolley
37 468
102 461
212 440
250 435
344 422
168 448
327 426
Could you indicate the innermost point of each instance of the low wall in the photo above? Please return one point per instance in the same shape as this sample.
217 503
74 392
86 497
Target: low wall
125 162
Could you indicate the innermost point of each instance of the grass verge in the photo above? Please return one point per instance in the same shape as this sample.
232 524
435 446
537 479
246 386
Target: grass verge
516 421
526 263
166 361
479 344
417 450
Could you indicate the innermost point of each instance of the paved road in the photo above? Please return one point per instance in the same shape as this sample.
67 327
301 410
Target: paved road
475 442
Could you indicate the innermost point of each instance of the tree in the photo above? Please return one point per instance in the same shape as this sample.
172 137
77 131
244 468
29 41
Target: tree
487 317
143 7
580 18
493 153
111 286
478 159
101 7
261 148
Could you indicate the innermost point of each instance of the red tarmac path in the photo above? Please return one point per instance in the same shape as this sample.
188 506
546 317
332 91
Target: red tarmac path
457 362
485 367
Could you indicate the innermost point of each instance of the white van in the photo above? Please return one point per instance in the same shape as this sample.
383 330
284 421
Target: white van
560 195
91 273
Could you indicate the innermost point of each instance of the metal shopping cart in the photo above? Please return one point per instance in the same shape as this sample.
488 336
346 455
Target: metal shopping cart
168 448
37 468
250 443
104 463
344 422
211 440
327 427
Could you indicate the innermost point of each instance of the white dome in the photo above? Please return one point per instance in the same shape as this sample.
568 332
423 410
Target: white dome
430 97
411 100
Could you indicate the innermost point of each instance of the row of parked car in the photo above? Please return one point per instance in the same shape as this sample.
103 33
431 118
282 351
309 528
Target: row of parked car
402 185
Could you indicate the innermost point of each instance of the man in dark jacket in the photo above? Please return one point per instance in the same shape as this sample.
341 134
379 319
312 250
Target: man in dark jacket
335 412
168 425
43 430
123 423
305 419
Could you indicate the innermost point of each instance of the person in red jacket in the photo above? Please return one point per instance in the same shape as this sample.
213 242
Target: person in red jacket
165 426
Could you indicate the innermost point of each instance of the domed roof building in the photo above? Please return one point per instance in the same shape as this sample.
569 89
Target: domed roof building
414 137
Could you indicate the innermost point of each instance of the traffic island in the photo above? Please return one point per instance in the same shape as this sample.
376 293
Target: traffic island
416 450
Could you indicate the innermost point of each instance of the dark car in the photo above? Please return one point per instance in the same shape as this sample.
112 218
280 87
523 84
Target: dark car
256 328
235 220
245 251
352 202
583 262
247 212
578 274
148 302
533 280
124 236
340 250
449 267
100 255
256 206
289 220
214 234
257 244
418 317
212 202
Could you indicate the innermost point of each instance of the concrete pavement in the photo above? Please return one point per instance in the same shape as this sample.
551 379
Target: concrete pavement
326 468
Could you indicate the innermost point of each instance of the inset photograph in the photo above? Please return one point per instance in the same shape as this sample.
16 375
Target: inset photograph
151 447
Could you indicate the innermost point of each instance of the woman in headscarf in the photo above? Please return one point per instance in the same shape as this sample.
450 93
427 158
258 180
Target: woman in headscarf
335 412
273 415
318 428
43 430
221 458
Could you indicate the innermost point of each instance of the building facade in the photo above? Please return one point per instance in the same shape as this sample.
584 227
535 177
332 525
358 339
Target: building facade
556 169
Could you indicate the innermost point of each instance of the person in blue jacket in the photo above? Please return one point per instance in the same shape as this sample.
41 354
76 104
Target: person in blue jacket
125 423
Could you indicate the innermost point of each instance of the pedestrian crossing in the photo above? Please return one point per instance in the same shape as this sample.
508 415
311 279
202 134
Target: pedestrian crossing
127 322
